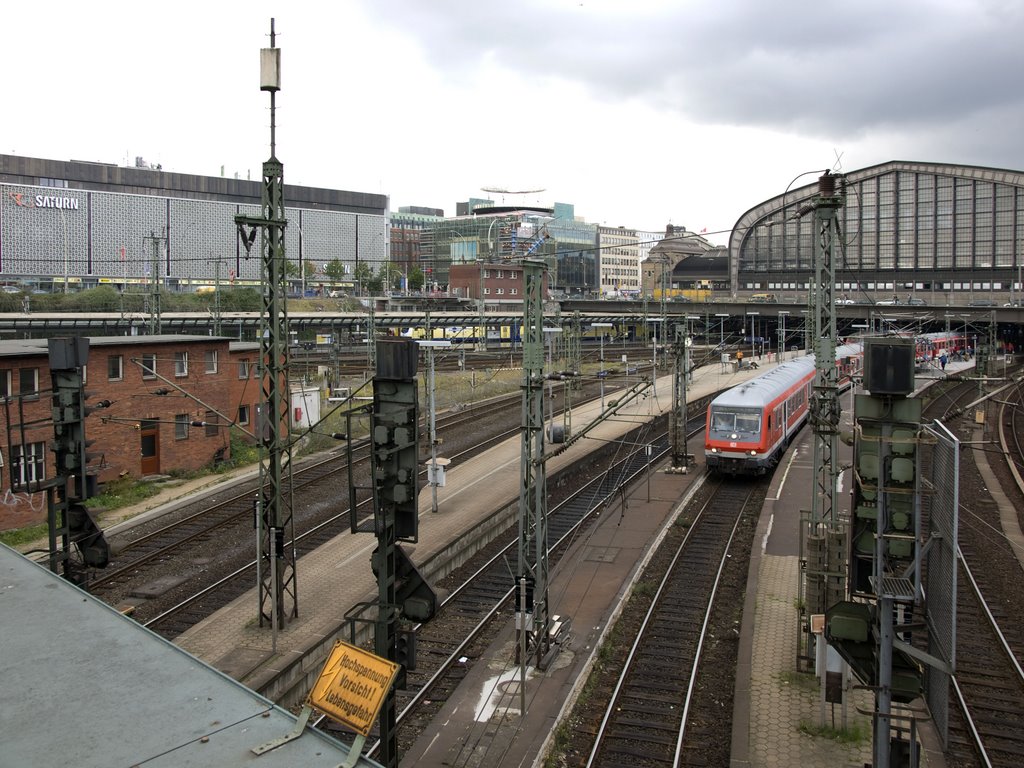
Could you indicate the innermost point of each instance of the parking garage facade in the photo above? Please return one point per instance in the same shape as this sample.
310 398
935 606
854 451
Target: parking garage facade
77 225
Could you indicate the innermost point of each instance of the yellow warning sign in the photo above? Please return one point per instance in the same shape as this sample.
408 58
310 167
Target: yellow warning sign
352 686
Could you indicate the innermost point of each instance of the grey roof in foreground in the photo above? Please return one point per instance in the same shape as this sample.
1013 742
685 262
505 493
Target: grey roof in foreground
84 685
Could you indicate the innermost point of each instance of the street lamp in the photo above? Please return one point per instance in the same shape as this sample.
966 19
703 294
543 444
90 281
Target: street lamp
302 266
490 247
436 468
721 330
753 333
687 371
549 335
64 226
782 334
601 373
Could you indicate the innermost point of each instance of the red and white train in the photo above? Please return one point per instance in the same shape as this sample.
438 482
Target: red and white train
750 425
932 346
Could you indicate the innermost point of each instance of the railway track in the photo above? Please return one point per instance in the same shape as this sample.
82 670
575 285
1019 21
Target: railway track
144 559
198 587
459 357
986 725
989 683
472 615
646 717
988 686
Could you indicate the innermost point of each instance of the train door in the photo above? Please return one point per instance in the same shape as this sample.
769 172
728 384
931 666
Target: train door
149 435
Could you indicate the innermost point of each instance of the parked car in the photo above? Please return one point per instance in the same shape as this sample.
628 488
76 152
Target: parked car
916 302
982 303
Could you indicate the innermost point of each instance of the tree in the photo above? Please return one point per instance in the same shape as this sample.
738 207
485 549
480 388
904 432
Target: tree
365 279
416 279
335 270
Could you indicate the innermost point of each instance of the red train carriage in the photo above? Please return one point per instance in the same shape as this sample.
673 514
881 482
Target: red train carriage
931 346
750 425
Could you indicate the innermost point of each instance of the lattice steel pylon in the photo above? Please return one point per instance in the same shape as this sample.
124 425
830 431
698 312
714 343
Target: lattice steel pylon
278 595
533 513
825 584
677 416
151 299
574 362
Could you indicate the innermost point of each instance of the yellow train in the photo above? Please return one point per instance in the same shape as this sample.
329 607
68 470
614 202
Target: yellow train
456 334
701 291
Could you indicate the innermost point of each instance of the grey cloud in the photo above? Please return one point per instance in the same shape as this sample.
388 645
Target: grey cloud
830 70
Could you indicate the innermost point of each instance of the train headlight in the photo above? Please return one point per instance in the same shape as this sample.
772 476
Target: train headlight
753 453
714 450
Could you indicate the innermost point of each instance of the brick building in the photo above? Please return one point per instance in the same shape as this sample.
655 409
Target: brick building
159 387
496 282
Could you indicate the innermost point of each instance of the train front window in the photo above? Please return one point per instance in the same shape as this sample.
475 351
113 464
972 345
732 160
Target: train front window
748 422
743 422
722 421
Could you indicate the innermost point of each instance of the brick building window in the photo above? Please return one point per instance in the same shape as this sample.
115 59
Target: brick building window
149 365
243 415
210 357
181 364
28 382
115 367
5 383
181 422
243 368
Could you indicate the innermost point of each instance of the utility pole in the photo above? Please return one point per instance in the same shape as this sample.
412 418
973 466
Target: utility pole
216 300
152 301
574 358
825 584
681 459
481 342
278 596
532 620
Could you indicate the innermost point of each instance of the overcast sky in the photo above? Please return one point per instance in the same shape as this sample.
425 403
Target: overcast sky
639 112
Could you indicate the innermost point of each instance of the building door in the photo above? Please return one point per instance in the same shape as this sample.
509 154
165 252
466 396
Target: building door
150 436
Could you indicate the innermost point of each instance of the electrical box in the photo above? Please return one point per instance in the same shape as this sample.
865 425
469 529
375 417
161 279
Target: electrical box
889 366
67 353
270 69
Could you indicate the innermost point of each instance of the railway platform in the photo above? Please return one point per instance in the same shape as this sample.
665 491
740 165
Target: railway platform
338 575
776 714
775 710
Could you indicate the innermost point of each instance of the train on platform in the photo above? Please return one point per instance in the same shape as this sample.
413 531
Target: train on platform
750 425
932 346
699 292
457 334
511 334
